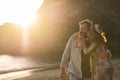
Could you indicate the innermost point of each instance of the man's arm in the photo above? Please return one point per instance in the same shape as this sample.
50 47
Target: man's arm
65 59
66 54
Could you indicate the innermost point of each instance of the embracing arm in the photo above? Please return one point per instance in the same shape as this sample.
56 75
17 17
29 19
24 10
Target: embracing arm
90 49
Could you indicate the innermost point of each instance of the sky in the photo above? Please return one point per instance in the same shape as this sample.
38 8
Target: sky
56 21
20 12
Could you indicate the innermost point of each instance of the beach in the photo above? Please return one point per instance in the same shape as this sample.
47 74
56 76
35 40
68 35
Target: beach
22 68
54 74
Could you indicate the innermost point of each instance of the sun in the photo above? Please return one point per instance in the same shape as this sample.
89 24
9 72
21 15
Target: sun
21 12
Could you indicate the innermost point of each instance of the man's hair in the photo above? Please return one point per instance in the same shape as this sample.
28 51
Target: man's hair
88 22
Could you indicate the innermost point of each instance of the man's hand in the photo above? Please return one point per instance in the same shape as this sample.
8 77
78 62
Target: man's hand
63 73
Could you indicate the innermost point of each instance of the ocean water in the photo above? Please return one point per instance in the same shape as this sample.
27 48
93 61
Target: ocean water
9 63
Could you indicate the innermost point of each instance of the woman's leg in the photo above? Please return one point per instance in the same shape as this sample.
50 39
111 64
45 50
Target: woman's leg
108 74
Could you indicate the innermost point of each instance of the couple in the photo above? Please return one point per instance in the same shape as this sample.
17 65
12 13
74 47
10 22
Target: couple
85 55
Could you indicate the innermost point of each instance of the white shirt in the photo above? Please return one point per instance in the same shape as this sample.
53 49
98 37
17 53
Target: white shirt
71 58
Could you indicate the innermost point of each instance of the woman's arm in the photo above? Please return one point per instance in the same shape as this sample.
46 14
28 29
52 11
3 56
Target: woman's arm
89 49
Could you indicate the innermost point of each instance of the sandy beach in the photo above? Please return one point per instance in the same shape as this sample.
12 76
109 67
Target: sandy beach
54 74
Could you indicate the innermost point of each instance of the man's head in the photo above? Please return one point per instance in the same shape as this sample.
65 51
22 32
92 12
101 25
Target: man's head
85 26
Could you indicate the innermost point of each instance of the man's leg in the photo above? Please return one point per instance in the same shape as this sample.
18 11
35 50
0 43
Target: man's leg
72 77
86 79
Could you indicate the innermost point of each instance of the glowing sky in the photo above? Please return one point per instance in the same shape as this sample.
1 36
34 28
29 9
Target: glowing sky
20 12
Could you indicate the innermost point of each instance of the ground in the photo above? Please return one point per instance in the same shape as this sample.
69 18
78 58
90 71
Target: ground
54 74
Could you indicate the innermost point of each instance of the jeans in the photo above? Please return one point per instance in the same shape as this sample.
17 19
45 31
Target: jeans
72 77
106 74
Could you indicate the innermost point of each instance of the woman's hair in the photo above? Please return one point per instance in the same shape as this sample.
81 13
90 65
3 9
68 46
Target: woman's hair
99 33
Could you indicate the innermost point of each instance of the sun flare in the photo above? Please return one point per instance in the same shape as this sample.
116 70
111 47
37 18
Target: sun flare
21 12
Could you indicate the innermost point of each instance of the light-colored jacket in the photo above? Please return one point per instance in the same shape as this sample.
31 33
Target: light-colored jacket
71 58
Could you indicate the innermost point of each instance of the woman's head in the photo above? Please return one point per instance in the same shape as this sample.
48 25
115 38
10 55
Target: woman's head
99 33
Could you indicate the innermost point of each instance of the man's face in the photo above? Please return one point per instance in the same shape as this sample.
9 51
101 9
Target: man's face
83 29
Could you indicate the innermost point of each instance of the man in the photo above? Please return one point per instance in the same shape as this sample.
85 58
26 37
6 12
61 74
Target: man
73 58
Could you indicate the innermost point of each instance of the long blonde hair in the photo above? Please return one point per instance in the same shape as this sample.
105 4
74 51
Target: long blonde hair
100 32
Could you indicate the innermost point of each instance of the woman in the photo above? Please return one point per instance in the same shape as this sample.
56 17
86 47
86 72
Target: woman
105 68
94 45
